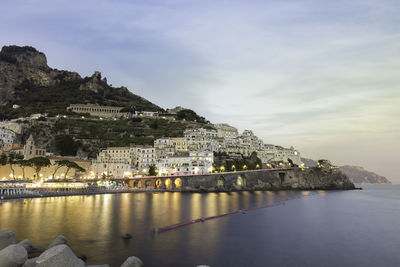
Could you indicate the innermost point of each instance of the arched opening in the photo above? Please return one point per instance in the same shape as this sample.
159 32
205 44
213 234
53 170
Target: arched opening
158 184
220 182
241 181
137 184
178 183
149 184
168 184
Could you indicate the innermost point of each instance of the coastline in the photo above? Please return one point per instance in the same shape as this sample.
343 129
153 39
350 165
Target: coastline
133 191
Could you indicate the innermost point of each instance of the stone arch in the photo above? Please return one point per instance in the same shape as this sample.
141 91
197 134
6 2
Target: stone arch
159 184
149 184
220 182
178 183
168 184
137 184
241 181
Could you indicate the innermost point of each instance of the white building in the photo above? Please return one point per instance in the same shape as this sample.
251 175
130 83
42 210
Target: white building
7 136
186 163
174 144
115 162
145 156
274 154
200 134
226 131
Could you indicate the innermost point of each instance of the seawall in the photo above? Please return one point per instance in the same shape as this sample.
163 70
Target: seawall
267 179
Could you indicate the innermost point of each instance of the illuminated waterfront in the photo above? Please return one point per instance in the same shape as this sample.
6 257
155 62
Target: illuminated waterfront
346 228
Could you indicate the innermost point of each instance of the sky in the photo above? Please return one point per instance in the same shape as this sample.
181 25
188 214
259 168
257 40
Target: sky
323 76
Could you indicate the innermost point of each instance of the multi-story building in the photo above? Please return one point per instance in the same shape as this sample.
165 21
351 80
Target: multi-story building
226 131
114 161
172 143
186 163
145 156
7 136
200 134
277 154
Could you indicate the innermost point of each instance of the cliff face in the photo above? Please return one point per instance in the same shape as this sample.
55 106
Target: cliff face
361 176
356 174
27 80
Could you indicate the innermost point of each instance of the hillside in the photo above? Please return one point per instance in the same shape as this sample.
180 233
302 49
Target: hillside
27 80
357 174
361 176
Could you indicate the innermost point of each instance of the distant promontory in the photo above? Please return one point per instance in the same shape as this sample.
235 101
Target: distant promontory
357 174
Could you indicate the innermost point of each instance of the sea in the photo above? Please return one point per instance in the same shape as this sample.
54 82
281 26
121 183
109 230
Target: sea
262 228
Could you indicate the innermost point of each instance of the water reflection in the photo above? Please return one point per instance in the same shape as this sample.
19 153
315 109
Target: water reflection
95 224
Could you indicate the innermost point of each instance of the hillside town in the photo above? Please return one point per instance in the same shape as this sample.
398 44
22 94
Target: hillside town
195 152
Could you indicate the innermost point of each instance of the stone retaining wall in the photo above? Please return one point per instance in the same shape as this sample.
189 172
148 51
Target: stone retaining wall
276 179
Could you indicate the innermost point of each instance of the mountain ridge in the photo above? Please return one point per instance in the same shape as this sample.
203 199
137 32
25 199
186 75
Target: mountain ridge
27 81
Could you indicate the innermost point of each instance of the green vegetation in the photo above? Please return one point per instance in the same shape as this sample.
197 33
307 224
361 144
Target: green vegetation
224 163
66 145
153 170
189 115
11 159
115 132
56 98
38 163
72 165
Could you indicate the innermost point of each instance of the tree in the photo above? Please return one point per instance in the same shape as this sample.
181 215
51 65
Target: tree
12 159
153 170
38 163
66 145
73 165
3 159
23 163
189 115
59 164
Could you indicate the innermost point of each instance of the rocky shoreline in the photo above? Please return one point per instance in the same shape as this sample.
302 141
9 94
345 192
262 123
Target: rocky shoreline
57 254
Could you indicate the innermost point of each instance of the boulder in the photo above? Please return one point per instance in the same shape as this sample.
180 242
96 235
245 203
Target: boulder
7 238
30 262
13 256
60 255
60 240
27 245
132 262
103 265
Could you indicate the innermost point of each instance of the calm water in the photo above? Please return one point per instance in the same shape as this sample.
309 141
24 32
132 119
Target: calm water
348 228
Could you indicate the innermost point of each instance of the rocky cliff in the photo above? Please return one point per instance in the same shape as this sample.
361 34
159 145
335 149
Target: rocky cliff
27 80
361 176
357 174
